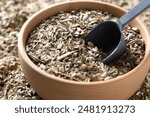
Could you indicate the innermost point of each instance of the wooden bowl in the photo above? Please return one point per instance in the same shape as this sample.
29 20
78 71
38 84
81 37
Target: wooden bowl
50 87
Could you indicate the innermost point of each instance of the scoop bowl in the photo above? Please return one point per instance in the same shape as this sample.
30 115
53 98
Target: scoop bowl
108 36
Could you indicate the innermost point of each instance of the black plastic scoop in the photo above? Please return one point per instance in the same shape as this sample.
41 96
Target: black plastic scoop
108 35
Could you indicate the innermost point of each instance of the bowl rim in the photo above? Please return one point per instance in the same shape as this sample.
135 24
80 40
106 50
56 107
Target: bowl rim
23 54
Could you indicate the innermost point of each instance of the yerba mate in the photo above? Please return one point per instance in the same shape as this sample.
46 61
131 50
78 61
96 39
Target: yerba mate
56 45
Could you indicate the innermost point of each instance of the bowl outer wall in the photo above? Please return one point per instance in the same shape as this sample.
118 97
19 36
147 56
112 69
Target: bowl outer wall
51 87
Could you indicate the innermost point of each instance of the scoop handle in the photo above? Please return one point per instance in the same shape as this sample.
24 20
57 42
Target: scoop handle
137 10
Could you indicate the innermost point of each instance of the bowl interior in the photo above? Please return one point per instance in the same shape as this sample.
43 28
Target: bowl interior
67 6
